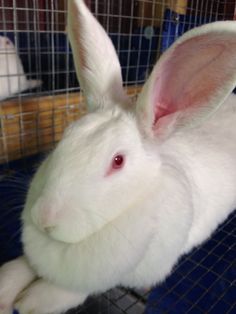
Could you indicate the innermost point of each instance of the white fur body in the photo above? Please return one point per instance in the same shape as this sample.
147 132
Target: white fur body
89 226
12 77
196 190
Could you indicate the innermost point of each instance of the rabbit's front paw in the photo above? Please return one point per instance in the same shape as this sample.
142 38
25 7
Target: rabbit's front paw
5 303
14 276
5 309
42 297
8 289
34 300
7 293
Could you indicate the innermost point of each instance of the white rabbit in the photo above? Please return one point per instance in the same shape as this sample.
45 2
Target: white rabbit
12 77
128 191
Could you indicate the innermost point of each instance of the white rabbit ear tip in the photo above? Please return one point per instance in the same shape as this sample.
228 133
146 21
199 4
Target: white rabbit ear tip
99 76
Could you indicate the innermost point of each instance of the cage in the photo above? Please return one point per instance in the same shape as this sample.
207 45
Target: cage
42 97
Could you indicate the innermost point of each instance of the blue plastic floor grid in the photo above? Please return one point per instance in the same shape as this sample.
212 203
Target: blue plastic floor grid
204 281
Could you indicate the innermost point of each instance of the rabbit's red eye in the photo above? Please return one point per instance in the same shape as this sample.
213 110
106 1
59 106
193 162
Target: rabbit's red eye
116 164
118 161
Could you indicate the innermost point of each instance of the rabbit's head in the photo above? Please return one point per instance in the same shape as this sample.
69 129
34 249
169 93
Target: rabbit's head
95 173
110 160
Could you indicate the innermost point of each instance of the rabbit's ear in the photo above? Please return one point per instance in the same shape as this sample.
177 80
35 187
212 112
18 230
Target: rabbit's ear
191 79
97 65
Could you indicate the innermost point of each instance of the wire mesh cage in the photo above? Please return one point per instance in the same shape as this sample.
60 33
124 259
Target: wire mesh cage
140 31
42 96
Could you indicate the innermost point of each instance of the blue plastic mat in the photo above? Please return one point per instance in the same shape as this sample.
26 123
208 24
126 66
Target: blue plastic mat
14 181
203 281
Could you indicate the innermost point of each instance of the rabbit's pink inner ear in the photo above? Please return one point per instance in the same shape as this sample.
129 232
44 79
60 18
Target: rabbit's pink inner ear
162 110
198 70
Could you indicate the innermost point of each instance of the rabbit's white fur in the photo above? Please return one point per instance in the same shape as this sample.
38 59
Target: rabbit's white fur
192 180
12 77
86 229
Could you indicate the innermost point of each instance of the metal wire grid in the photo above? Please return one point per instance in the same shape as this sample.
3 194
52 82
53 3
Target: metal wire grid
137 28
140 30
37 32
45 51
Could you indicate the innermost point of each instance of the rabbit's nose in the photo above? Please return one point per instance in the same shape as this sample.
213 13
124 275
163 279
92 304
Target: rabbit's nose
46 221
44 217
